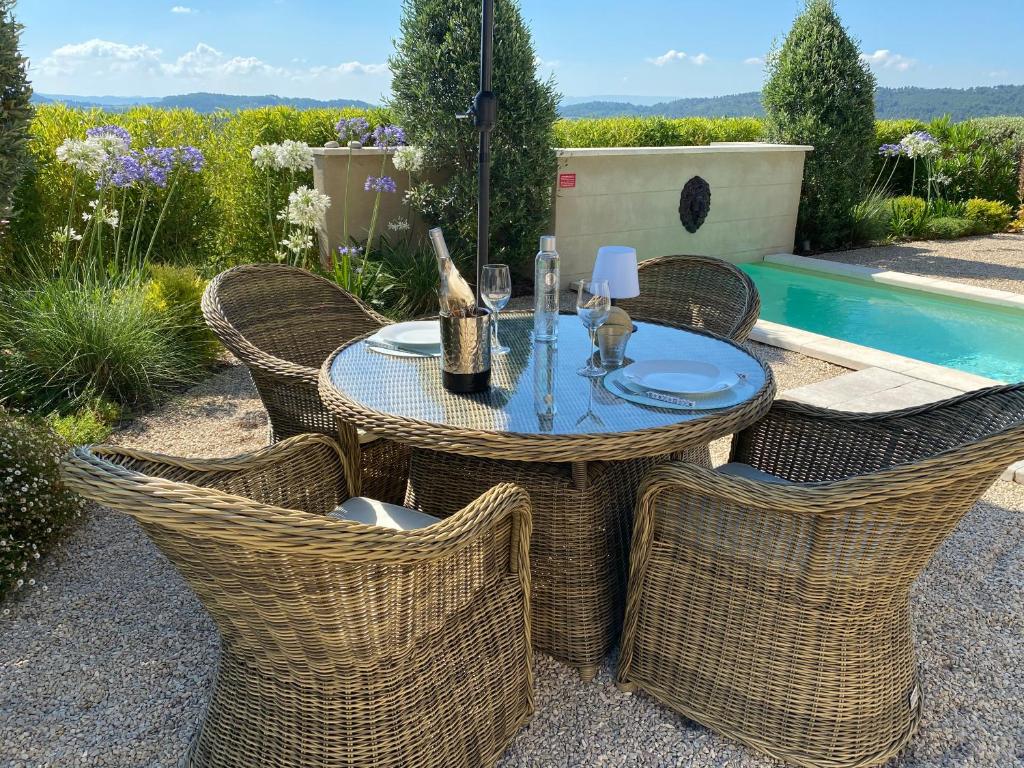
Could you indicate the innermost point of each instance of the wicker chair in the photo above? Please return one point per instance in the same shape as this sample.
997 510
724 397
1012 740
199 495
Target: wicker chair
777 611
282 322
342 644
698 291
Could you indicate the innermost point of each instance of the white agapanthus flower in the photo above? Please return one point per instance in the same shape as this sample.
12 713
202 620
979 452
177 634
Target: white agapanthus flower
306 207
408 158
921 144
399 225
264 156
84 155
64 234
113 219
294 156
298 241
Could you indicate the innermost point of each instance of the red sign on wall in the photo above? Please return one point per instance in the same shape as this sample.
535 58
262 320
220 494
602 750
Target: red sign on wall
567 181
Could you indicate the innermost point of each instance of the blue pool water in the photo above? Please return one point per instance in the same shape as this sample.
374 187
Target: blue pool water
967 335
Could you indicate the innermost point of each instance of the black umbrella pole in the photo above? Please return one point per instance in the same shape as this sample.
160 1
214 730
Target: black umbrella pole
485 114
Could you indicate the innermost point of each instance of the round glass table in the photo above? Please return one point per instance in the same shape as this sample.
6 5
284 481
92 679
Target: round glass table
578 448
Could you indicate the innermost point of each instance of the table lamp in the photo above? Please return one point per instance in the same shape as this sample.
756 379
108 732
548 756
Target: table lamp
617 265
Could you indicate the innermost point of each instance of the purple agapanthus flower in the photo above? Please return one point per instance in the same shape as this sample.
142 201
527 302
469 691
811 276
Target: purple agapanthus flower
110 130
158 163
191 158
349 250
892 150
353 129
388 136
380 184
127 171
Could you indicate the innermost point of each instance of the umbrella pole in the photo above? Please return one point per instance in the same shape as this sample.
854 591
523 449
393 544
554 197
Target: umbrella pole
484 112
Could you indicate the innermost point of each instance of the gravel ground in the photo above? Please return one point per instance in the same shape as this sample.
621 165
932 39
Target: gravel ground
991 261
108 662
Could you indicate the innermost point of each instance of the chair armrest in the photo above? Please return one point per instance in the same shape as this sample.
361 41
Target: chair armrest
305 472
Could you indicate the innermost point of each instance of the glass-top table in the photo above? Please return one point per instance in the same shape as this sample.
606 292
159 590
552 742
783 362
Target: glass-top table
538 407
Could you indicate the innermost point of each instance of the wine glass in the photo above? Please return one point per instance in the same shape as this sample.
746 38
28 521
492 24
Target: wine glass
496 290
593 303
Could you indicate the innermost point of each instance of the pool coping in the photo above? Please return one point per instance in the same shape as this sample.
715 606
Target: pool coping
904 280
858 357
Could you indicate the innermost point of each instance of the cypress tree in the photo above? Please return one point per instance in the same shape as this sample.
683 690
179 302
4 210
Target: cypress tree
436 74
820 92
15 108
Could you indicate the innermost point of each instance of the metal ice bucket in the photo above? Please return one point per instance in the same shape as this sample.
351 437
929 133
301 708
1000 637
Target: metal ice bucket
466 352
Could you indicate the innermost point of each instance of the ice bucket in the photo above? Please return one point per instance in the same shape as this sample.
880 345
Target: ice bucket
466 352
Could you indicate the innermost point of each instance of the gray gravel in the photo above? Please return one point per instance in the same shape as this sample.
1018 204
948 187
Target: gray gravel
107 663
990 261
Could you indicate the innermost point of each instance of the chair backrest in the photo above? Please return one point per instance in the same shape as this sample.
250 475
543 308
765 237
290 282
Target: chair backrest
698 291
288 587
285 312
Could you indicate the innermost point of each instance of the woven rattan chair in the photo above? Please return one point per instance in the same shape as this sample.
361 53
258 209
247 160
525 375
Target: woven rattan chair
282 322
777 611
343 645
696 291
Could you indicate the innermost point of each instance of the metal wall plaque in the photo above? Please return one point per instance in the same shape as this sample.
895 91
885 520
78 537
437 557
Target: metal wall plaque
694 203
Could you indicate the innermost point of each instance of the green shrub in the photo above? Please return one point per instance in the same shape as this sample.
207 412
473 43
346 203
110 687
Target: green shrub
948 227
908 216
871 218
17 108
436 74
66 343
177 292
940 206
656 131
819 92
34 507
977 162
92 423
988 215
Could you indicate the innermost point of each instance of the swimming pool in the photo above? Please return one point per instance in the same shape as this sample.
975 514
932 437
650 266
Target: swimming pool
971 336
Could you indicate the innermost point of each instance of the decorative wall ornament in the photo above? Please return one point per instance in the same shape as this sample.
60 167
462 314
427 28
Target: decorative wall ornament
694 203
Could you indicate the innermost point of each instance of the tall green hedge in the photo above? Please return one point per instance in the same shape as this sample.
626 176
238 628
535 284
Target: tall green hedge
219 215
219 218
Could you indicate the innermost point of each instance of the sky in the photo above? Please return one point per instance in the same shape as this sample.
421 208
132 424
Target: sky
650 49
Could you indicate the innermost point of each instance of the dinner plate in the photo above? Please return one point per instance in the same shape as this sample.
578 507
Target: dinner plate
715 401
417 336
681 377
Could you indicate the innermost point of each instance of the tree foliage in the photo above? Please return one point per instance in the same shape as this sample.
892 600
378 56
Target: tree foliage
15 107
436 74
819 92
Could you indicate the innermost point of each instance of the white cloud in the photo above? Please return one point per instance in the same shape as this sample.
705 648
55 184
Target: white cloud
883 58
673 55
755 60
998 73
540 63
100 57
183 9
669 56
97 58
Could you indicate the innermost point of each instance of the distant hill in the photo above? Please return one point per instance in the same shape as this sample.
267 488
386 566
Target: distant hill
890 103
200 102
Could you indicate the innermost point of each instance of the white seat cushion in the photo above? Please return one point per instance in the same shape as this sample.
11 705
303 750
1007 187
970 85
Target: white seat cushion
747 472
366 437
360 509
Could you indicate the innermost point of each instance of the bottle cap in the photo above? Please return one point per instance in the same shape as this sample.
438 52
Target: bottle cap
547 243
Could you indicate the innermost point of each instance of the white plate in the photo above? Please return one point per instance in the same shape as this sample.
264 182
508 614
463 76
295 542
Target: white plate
681 377
419 335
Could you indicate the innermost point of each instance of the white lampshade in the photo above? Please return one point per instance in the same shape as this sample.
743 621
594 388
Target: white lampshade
617 265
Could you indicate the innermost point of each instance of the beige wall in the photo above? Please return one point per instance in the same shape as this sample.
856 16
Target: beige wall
630 196
329 175
622 196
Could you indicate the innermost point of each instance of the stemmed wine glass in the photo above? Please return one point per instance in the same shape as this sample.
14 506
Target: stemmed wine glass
496 290
593 303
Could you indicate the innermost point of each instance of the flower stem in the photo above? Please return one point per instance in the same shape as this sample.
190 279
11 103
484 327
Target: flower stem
160 218
376 210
